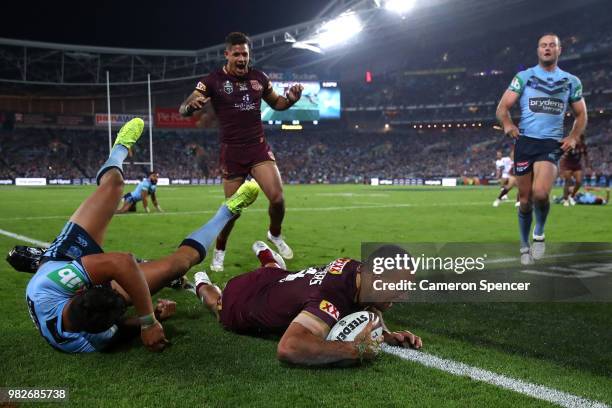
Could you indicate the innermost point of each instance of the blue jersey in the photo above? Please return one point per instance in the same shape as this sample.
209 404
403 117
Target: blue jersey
586 198
47 294
544 98
145 185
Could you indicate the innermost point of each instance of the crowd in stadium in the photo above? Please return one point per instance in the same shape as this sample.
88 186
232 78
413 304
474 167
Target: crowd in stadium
326 156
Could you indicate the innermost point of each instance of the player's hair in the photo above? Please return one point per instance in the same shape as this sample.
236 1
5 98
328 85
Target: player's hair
236 38
552 34
151 173
96 309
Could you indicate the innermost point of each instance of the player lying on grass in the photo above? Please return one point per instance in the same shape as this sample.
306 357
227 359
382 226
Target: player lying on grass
147 187
301 306
586 198
79 295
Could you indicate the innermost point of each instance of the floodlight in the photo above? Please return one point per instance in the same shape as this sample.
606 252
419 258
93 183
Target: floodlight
400 6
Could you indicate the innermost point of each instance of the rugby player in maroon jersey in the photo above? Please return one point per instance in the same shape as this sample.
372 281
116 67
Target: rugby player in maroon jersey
571 170
302 307
235 92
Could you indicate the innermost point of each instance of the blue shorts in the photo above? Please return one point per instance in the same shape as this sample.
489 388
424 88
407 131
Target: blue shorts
529 150
71 244
128 198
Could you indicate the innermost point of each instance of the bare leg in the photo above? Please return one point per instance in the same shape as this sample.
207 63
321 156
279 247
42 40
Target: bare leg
567 178
95 213
578 183
524 184
268 177
124 208
544 175
229 188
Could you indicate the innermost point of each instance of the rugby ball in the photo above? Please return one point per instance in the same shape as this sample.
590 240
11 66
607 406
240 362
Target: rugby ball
350 326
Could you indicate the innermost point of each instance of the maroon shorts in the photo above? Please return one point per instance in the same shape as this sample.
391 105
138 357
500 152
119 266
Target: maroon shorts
570 165
237 161
240 297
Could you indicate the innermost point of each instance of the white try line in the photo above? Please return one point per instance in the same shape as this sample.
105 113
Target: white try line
297 209
541 392
566 255
24 238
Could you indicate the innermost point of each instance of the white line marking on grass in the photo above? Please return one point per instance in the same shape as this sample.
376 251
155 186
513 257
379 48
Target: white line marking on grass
25 239
541 392
567 255
298 209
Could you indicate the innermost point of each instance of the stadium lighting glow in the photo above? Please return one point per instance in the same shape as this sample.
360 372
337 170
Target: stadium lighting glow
400 7
338 30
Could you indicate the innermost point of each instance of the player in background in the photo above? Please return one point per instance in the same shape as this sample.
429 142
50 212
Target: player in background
545 92
587 198
302 307
503 172
235 92
147 187
79 294
571 170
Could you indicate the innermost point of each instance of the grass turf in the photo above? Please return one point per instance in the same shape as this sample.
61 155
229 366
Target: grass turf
564 346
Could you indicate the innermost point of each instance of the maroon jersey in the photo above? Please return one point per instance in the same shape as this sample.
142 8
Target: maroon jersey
237 103
268 299
572 159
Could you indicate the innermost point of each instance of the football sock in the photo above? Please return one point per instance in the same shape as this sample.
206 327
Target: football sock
524 220
265 257
275 231
541 212
115 160
502 193
201 238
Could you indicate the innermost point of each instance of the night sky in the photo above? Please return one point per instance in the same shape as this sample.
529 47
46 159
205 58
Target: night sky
182 24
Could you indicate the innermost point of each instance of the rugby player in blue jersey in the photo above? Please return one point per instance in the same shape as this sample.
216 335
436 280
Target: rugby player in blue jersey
545 92
79 294
147 187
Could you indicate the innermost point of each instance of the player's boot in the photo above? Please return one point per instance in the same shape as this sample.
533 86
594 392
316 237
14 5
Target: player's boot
538 247
566 203
217 262
571 200
243 197
282 247
496 202
526 258
130 133
517 204
260 246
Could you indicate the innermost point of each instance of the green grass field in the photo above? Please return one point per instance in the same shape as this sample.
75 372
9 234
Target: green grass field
567 347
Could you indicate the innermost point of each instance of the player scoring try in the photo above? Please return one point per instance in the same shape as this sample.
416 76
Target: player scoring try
235 92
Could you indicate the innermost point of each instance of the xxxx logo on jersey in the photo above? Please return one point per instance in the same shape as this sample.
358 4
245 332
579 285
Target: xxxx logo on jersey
336 267
330 309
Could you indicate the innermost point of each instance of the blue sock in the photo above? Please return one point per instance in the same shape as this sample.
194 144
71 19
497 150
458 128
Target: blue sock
115 160
524 220
201 239
541 212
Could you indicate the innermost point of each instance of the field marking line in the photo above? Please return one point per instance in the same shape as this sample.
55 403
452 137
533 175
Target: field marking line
567 255
25 239
297 209
541 392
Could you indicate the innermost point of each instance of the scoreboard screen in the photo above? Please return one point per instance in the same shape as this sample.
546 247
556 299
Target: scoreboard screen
320 100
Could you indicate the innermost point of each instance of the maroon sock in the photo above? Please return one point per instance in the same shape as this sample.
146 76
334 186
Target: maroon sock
275 231
265 257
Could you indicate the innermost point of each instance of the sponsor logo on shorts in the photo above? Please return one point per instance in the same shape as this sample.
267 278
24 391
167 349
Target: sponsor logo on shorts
228 88
522 166
81 241
336 267
201 87
551 106
74 252
330 309
256 85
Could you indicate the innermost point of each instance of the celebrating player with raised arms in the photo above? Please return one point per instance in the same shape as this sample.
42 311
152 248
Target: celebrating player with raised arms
545 92
79 294
301 306
147 187
235 92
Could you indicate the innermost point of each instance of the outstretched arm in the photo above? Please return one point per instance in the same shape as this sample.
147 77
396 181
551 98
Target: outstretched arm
281 103
155 203
304 343
145 201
